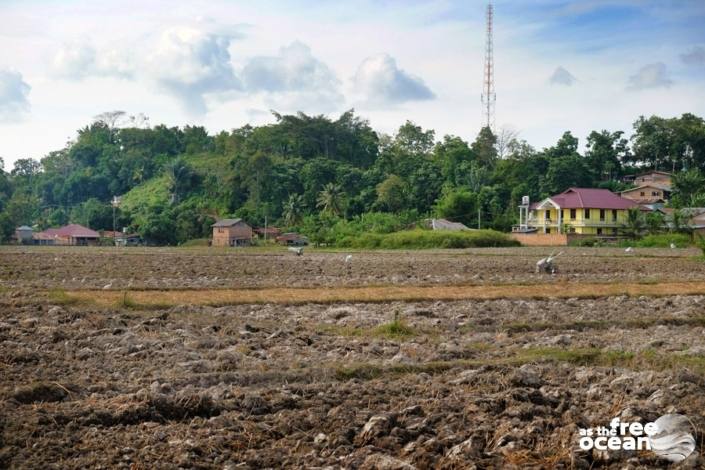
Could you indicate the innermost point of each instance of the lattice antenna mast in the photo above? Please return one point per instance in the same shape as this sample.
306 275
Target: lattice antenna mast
489 97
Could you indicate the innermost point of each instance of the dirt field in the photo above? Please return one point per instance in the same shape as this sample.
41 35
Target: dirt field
187 381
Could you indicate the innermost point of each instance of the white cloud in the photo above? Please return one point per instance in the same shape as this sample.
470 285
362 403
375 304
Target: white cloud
695 57
293 79
190 64
13 95
650 76
74 61
79 61
381 82
561 76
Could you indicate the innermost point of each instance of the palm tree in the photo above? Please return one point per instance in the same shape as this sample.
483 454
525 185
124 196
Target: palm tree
634 225
331 199
293 210
179 175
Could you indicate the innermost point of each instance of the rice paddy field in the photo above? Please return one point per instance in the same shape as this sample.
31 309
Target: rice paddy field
208 358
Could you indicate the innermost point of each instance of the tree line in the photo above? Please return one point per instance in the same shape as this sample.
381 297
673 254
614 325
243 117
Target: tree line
313 173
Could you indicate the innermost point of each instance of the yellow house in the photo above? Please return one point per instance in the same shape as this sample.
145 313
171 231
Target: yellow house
585 211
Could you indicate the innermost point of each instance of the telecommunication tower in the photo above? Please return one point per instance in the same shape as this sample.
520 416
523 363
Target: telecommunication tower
489 97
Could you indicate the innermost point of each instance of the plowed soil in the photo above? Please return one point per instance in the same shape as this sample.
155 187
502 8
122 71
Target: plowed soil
503 382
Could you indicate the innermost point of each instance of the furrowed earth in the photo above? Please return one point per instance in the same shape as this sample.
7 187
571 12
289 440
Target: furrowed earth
165 358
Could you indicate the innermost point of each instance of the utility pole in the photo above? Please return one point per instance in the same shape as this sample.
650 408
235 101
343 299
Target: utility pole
489 97
115 203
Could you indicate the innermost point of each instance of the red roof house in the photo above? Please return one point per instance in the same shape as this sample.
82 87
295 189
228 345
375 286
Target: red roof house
72 234
588 198
586 211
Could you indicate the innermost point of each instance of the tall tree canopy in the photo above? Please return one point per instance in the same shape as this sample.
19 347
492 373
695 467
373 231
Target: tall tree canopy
310 171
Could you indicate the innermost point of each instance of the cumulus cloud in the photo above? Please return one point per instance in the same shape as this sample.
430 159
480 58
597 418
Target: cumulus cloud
186 62
381 82
78 61
561 76
74 61
650 76
294 78
189 64
13 95
695 57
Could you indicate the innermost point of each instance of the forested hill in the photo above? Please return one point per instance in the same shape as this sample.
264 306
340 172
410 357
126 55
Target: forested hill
324 176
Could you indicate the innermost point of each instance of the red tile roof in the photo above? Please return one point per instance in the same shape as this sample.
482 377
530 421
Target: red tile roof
72 230
591 198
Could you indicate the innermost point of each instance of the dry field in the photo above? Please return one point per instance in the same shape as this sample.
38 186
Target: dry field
167 358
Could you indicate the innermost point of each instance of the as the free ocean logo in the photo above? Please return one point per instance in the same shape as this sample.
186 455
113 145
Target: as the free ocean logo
670 437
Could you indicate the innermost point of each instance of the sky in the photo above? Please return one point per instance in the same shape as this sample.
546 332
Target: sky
560 65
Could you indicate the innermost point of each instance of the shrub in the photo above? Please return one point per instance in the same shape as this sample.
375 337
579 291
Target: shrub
664 241
420 239
196 242
585 242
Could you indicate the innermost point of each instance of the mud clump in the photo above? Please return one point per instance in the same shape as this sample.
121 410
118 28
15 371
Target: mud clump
40 393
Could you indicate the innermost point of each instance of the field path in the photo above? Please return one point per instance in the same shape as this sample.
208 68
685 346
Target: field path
164 298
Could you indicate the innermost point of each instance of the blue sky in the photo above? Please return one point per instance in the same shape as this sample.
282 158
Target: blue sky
560 65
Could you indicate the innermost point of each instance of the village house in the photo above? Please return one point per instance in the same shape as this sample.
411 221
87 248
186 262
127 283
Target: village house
23 235
652 187
122 238
72 235
269 233
292 239
584 211
693 217
231 232
653 177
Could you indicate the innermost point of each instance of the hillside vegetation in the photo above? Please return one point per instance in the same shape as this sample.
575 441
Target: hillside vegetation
333 179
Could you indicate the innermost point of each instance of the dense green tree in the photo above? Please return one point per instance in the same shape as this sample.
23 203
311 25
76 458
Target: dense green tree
413 140
669 144
605 151
174 180
565 172
94 214
458 205
392 194
688 188
452 154
484 148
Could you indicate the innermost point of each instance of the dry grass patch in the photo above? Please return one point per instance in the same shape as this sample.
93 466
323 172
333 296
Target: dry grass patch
167 298
645 360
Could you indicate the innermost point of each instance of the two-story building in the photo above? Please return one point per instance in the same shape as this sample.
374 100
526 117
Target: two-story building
652 187
231 232
585 211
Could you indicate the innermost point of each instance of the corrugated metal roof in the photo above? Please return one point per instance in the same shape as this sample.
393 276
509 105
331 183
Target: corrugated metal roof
226 222
71 230
591 198
77 231
662 187
443 224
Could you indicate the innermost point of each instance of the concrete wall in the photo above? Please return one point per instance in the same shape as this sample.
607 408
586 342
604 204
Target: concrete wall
541 239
